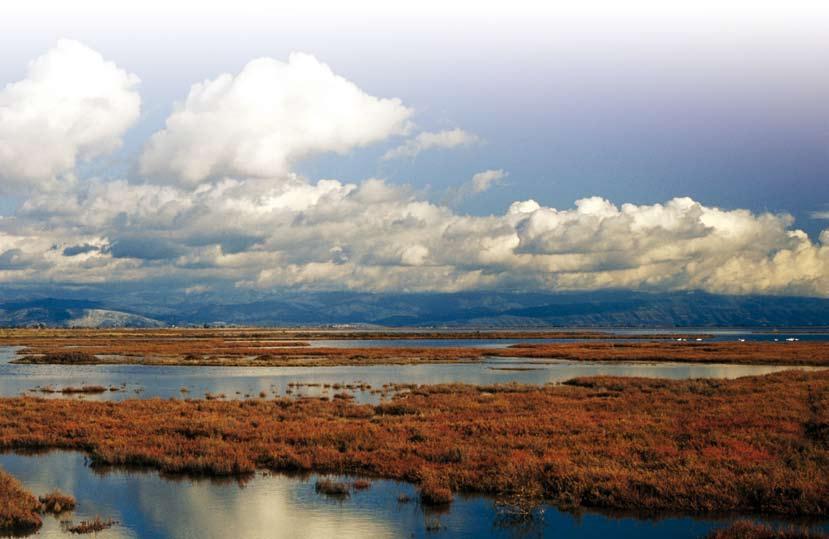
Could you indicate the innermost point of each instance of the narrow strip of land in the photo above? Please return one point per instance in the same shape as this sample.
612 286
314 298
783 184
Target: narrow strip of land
217 352
241 335
758 444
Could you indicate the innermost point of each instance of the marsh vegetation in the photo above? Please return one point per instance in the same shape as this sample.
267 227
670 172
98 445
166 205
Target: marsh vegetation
271 348
754 444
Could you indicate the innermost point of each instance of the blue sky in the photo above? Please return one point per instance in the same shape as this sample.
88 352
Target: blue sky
640 106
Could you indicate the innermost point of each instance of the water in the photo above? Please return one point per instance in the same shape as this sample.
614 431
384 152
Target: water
146 381
619 335
275 506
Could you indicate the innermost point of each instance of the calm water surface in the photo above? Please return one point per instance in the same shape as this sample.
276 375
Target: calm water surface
145 381
276 506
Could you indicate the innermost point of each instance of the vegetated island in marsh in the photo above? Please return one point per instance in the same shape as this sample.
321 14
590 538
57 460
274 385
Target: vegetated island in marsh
20 510
754 444
264 348
250 342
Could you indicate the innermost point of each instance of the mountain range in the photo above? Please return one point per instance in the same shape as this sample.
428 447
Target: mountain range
465 309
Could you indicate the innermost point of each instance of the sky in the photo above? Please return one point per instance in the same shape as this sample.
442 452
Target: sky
429 147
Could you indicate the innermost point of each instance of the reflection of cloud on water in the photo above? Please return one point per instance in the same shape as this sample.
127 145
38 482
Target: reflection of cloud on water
67 472
265 507
147 505
151 507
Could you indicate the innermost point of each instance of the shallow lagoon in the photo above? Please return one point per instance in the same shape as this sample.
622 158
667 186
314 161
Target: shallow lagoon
145 381
147 505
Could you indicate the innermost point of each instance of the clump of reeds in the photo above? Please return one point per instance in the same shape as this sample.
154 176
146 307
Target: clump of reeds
95 525
329 487
361 484
56 502
83 389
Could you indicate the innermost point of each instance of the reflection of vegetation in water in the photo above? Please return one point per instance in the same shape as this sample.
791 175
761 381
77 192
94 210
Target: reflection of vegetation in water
94 525
521 508
274 505
746 529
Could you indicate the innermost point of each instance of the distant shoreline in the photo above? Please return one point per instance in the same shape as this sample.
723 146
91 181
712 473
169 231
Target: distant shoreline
274 348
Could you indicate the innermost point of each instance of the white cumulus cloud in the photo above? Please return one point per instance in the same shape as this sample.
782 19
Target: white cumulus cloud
262 120
72 105
258 225
446 139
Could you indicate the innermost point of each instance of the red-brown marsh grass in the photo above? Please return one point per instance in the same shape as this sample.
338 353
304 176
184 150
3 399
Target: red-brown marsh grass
241 348
755 444
204 341
746 529
755 352
20 511
434 491
18 507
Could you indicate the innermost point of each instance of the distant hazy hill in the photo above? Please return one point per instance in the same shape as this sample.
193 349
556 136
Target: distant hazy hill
69 313
474 309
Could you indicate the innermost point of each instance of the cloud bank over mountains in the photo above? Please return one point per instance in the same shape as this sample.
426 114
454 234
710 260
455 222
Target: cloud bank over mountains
217 199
